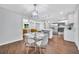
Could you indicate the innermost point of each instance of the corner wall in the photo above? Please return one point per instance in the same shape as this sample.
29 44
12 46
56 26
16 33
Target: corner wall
76 27
10 26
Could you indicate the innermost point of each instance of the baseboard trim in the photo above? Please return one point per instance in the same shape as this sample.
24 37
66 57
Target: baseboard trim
9 42
78 48
69 40
77 45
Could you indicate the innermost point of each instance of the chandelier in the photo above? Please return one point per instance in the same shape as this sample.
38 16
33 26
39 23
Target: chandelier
35 12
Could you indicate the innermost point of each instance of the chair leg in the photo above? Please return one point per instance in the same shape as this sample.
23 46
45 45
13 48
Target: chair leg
40 50
35 49
28 49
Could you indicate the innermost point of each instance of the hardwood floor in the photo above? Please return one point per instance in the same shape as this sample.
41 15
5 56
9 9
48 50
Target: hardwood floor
56 45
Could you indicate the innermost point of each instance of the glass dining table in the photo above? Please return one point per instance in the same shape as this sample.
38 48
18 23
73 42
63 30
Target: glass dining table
38 38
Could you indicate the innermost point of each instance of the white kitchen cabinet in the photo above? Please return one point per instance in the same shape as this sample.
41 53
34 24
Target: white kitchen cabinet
69 35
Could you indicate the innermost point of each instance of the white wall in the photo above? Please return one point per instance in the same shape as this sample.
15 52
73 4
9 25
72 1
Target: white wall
75 30
69 34
76 27
10 26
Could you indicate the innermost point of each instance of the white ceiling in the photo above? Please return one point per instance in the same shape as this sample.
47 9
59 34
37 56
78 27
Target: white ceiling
46 11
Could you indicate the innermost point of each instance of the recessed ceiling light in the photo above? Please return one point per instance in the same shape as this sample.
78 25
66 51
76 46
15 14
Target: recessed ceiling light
61 13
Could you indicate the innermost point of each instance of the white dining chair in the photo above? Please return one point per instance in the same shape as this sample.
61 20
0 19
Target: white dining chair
43 42
28 41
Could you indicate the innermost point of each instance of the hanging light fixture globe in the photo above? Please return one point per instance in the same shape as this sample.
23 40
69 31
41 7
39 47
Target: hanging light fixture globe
35 12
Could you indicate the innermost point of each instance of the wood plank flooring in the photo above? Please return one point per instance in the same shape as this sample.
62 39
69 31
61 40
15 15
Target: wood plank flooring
56 45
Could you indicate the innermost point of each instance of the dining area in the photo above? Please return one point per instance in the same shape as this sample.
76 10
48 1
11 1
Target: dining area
37 40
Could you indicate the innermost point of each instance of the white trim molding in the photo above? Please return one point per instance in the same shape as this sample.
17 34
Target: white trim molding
10 42
78 48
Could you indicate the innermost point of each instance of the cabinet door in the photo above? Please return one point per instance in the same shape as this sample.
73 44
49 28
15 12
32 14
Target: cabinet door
37 26
69 35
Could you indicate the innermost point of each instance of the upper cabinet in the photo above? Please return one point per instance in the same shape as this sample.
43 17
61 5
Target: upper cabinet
33 24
